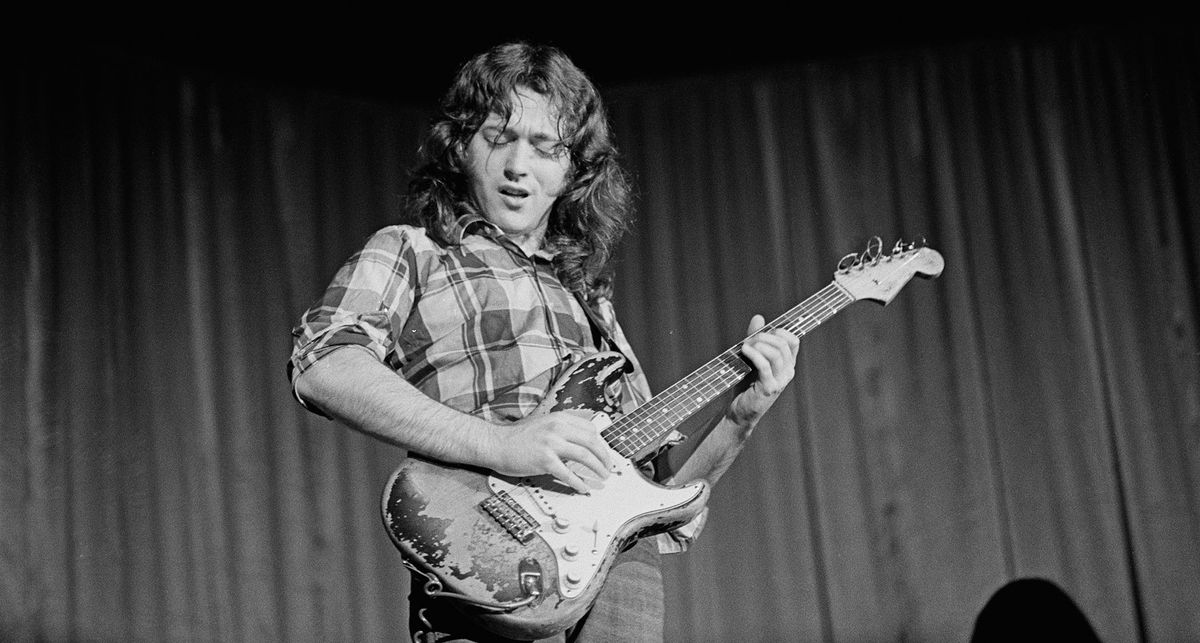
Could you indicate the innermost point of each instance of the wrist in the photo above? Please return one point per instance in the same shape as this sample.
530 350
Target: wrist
484 444
740 417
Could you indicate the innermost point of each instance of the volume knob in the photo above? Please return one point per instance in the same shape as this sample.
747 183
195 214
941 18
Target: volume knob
561 524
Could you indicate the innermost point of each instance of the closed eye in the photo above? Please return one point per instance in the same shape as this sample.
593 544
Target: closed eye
497 138
546 146
550 149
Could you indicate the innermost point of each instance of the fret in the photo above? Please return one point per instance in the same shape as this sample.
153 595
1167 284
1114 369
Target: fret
653 420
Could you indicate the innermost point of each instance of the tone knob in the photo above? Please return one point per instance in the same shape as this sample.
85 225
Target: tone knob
570 551
573 578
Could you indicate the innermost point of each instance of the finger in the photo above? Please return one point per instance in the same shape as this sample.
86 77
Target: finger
770 342
780 347
561 472
783 364
775 349
787 341
789 338
587 461
762 367
586 434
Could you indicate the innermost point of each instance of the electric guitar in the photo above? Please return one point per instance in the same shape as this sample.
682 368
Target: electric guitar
526 557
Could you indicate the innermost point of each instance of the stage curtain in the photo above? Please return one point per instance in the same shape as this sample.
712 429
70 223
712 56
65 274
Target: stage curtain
1032 411
161 235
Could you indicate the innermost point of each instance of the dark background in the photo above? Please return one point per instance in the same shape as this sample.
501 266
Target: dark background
174 191
375 56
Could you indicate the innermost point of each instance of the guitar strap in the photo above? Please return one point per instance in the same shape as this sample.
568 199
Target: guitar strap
600 334
649 463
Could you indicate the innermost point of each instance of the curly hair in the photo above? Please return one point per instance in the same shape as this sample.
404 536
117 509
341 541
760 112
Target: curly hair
588 218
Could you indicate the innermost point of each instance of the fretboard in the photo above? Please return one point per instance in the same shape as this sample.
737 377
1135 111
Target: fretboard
652 421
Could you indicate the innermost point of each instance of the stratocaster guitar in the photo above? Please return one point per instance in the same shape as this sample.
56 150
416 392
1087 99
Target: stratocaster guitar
526 557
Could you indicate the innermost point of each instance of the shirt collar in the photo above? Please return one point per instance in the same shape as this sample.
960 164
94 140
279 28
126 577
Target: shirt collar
469 223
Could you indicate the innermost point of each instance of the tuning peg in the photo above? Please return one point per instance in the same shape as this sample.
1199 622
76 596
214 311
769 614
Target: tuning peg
874 247
899 247
848 262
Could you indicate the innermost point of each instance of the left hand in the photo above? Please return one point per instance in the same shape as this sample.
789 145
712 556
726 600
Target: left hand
773 356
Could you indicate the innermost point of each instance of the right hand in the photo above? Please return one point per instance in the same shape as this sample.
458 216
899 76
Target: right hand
547 444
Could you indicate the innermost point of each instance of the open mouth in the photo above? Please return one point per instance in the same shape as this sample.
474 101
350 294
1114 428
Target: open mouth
513 191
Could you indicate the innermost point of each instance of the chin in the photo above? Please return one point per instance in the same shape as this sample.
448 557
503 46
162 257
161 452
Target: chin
513 223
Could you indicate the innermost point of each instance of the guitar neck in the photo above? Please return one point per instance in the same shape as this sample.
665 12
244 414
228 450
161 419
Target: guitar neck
646 425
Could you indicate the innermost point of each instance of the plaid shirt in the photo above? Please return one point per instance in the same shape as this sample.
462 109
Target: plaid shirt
480 327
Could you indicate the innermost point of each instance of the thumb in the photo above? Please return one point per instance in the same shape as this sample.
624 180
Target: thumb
756 322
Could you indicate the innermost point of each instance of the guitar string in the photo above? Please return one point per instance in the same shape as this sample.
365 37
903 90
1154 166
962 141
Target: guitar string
693 391
673 404
729 359
631 433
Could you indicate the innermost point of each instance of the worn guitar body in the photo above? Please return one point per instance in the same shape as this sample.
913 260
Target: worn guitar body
526 557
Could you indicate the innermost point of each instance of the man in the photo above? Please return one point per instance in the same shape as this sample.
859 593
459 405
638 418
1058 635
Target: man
441 337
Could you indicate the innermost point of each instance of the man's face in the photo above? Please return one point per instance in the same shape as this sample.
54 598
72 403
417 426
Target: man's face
518 168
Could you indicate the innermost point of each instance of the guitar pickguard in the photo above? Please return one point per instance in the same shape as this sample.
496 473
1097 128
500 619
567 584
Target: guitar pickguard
580 529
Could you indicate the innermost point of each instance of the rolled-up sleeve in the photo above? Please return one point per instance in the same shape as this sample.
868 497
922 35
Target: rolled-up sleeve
365 304
680 538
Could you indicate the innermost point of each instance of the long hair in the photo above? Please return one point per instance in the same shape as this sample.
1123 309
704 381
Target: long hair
589 217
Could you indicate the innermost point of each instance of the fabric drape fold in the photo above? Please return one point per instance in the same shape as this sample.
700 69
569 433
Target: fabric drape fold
1032 412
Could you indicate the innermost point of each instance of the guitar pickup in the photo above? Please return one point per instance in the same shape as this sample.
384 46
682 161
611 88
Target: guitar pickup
504 509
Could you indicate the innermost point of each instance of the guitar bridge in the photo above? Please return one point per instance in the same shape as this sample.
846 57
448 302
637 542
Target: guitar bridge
504 509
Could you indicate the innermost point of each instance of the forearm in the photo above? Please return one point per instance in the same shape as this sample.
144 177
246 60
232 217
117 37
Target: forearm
773 356
357 390
723 440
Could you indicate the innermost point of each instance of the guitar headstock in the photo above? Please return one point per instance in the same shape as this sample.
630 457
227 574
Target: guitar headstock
876 276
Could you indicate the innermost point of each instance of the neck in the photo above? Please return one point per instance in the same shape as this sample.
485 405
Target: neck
530 242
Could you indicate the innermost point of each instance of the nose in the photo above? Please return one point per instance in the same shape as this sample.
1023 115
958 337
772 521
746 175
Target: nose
516 163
